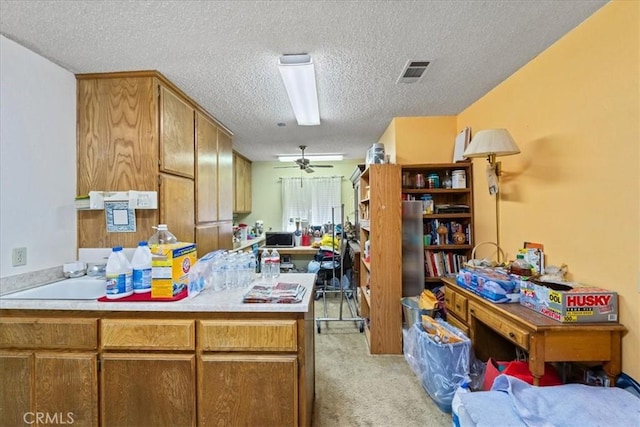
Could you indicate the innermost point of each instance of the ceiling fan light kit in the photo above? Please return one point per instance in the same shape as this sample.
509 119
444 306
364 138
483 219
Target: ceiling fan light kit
299 78
304 163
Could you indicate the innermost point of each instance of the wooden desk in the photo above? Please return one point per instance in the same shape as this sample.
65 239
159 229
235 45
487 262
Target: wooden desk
545 339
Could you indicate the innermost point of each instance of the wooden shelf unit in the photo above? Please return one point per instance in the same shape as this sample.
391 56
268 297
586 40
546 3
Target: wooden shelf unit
452 196
381 274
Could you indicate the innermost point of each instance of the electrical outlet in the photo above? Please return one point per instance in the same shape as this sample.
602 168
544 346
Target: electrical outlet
19 256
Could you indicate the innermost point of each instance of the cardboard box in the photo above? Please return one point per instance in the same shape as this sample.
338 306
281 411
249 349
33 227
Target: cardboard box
570 303
170 268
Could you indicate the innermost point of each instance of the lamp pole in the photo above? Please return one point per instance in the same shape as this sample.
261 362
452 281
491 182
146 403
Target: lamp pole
491 158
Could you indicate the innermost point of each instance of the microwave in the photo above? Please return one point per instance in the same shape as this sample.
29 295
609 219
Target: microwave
278 239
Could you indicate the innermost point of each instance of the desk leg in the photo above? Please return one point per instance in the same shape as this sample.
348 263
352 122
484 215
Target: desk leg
613 367
536 357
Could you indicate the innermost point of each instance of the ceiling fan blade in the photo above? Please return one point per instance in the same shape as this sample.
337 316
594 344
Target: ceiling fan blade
308 170
284 167
321 166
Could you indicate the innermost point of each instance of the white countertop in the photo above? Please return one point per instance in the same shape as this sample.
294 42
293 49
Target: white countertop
238 246
208 301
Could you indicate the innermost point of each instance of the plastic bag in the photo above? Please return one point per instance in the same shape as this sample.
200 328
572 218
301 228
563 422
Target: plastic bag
200 275
441 367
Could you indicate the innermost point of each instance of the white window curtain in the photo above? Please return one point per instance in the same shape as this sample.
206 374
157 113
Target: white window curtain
311 199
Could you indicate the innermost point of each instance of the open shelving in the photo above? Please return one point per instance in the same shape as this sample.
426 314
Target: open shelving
444 258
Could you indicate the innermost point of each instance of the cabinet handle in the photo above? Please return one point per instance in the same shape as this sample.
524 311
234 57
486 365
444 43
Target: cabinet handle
472 311
458 306
512 335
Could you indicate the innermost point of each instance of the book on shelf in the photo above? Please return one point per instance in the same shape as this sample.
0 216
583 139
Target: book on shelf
442 263
278 293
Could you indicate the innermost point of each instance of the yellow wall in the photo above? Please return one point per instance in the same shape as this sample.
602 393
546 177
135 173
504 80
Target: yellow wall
414 140
574 112
388 138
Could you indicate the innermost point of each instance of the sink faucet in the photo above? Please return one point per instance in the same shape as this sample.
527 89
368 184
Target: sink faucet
97 270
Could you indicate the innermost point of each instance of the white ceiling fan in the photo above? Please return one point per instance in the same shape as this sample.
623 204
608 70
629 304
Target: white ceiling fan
304 164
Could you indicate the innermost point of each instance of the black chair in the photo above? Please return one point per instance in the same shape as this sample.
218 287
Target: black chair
333 266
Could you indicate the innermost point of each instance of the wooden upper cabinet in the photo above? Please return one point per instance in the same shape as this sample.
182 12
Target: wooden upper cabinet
177 134
117 150
225 176
242 184
207 169
116 134
137 131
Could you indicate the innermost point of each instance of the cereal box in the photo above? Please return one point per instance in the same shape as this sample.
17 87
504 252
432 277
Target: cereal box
571 302
170 268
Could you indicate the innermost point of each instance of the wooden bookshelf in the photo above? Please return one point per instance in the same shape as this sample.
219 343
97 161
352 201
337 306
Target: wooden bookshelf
443 258
381 273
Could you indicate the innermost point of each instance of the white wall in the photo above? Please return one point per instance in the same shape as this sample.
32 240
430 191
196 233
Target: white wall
37 160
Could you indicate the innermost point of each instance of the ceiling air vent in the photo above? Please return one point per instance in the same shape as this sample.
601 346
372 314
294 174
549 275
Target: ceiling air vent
413 71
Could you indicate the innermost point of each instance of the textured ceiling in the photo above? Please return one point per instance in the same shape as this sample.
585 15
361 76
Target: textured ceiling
224 54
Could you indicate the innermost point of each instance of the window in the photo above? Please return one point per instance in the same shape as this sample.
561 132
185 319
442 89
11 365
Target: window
311 200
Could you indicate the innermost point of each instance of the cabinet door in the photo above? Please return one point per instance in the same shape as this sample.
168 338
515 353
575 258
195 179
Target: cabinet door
177 206
225 235
148 390
247 186
177 135
61 387
225 176
242 192
66 387
207 170
207 238
15 400
248 390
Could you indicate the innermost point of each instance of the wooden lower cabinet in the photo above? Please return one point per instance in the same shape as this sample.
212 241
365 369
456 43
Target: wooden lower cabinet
156 369
147 389
47 388
248 390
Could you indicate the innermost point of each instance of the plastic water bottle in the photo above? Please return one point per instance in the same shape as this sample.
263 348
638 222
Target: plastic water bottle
119 275
265 264
217 271
275 263
141 266
253 264
459 419
231 271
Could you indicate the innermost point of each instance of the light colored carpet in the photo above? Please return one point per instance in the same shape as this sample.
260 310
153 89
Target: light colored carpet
354 388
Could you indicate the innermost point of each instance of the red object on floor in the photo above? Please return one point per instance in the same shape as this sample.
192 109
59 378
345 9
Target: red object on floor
146 297
519 370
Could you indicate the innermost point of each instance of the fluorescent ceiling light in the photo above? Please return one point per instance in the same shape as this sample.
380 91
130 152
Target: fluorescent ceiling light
313 157
299 79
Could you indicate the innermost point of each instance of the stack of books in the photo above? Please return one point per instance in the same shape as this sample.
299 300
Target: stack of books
278 293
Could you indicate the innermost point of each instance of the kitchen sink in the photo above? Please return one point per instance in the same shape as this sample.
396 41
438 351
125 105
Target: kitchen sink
80 288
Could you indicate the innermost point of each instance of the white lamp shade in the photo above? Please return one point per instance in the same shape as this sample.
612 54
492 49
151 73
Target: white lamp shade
491 141
299 79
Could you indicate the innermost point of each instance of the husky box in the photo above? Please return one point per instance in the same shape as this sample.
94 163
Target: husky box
571 302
